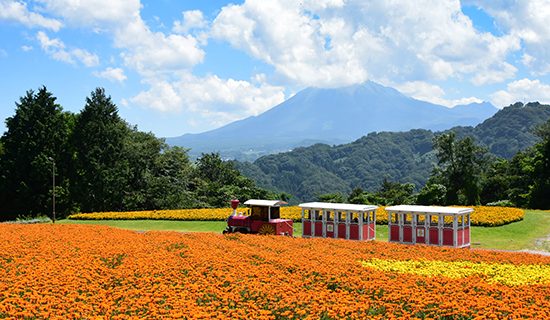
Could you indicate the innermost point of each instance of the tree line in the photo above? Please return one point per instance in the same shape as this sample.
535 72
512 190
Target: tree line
467 174
100 163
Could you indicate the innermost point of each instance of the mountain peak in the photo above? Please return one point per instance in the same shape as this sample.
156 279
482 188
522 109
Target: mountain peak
367 87
335 115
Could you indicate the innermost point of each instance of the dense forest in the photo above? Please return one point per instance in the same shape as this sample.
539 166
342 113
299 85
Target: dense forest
508 144
98 162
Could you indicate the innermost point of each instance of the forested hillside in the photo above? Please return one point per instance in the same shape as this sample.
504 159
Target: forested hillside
404 157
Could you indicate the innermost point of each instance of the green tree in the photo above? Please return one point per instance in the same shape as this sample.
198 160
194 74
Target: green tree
521 174
432 194
36 137
331 197
216 182
140 152
394 193
539 196
169 183
101 170
495 185
460 168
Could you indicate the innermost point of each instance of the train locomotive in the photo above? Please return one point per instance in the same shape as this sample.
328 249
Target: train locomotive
261 217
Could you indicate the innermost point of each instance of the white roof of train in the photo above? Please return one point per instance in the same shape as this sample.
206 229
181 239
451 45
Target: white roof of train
337 206
264 203
429 209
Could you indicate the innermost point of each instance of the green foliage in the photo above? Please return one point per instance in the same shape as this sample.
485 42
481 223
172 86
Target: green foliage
395 193
216 182
309 172
404 157
103 164
36 138
512 128
495 184
100 173
432 194
389 193
540 191
331 197
460 167
501 203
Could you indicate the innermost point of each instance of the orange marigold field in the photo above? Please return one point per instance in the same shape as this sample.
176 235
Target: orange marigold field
78 271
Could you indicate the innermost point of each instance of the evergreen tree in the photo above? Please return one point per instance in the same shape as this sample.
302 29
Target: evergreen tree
36 139
101 170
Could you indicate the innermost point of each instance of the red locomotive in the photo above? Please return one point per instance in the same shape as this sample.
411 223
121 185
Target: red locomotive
262 217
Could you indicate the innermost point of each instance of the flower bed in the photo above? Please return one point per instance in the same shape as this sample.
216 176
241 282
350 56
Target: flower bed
482 215
79 271
207 214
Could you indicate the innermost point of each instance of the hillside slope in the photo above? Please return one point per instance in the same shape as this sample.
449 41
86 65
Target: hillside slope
397 156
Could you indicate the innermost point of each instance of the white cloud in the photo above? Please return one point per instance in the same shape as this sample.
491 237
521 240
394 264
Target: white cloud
149 53
528 21
56 49
333 43
432 93
215 101
161 96
26 48
192 19
524 90
96 14
153 53
112 74
17 11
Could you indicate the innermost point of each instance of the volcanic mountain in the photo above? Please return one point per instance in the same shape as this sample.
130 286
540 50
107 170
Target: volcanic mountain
332 116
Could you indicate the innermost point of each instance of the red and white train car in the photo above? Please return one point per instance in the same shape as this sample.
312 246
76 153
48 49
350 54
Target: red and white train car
338 220
440 226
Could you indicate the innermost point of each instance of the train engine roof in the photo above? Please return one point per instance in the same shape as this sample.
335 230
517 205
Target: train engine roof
264 203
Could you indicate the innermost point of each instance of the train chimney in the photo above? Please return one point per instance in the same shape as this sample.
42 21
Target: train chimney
235 205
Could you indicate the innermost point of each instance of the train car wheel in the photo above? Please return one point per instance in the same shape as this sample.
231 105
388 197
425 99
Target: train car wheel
266 229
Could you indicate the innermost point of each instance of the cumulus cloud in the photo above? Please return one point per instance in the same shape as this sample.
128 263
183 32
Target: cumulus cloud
56 49
218 101
527 21
524 90
153 53
192 19
112 74
330 43
146 51
96 14
17 11
432 93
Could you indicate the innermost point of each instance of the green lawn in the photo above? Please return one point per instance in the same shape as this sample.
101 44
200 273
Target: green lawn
515 236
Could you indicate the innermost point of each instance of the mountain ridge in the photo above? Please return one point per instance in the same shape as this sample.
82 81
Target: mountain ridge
332 116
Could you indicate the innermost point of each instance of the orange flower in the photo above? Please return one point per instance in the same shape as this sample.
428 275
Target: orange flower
78 271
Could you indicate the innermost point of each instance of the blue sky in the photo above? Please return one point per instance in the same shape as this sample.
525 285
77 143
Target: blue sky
175 67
